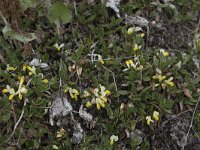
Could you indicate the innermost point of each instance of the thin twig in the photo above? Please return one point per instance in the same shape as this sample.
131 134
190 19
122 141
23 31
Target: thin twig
17 123
191 124
176 116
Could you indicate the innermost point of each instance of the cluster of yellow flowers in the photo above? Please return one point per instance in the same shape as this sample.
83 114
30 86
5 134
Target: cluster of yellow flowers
163 81
31 70
60 133
155 116
72 92
99 97
10 68
129 63
21 89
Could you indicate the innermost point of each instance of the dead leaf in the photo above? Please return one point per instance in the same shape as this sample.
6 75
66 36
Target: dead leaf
187 93
79 70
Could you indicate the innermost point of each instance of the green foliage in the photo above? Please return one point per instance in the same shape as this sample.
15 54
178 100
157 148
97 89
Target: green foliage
97 51
59 12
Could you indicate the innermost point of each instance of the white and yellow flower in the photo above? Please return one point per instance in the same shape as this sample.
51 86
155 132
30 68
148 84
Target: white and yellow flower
130 30
45 81
31 70
58 47
10 68
9 90
113 139
73 93
21 90
165 53
60 133
156 115
136 66
137 47
100 59
99 97
149 120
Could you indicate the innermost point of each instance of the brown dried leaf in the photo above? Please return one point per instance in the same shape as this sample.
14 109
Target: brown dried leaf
187 93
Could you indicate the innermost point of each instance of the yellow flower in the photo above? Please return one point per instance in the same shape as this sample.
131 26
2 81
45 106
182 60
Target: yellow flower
9 68
88 104
107 92
156 115
136 47
100 59
100 103
60 133
9 90
165 53
11 97
45 81
159 77
130 30
22 88
86 94
142 35
55 146
149 120
129 63
24 67
32 70
169 82
5 91
73 93
113 139
58 47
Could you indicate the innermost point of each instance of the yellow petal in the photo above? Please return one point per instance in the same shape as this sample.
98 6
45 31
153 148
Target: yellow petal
20 96
149 120
171 84
166 54
24 67
45 81
5 91
130 62
142 35
111 142
104 99
135 47
11 96
21 80
127 63
102 104
59 135
130 30
55 147
156 115
107 92
88 104
98 106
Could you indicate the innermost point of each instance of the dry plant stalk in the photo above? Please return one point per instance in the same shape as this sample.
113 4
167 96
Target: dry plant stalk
11 8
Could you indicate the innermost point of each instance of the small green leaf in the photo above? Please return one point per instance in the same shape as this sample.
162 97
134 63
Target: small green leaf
61 12
8 32
28 3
